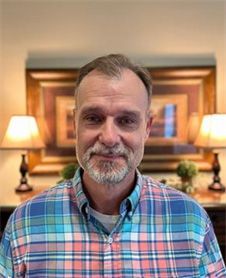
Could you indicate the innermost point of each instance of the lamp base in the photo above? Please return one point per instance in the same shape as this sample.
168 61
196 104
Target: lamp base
23 187
216 186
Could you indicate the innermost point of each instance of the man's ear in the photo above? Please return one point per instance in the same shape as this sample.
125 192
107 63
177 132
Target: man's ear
148 125
74 122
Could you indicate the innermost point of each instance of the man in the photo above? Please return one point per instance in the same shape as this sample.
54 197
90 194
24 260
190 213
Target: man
109 220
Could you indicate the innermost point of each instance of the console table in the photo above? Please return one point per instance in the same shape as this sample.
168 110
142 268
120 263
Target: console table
213 202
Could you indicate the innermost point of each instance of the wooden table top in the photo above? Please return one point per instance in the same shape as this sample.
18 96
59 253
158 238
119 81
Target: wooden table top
9 198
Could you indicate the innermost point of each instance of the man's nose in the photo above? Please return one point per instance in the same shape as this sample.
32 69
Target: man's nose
109 134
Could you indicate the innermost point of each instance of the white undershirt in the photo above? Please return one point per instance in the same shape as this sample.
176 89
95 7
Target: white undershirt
108 221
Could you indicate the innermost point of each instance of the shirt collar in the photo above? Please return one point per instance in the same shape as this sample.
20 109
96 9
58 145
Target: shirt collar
128 205
132 200
80 196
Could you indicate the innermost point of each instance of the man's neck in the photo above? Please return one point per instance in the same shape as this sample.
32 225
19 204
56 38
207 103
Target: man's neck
104 198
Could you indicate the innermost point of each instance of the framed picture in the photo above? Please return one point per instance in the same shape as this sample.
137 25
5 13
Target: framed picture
181 96
64 121
170 117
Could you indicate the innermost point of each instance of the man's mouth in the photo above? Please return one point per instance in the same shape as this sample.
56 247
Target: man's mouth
109 157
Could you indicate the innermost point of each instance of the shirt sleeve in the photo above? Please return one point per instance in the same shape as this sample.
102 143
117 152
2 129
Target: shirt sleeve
211 263
6 265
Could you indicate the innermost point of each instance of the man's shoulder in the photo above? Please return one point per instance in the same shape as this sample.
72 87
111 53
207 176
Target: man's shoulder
59 193
54 192
177 201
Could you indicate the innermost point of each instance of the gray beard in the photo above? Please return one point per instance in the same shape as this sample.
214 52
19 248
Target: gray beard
107 172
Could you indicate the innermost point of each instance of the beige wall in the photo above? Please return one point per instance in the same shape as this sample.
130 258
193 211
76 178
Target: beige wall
38 33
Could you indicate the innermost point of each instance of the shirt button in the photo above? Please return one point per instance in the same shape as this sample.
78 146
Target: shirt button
110 240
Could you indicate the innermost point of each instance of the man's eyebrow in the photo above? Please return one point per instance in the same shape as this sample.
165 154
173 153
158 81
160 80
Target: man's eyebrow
130 113
121 112
91 109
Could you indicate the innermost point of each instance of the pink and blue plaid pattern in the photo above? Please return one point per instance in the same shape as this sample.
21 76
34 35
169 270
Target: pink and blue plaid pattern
161 233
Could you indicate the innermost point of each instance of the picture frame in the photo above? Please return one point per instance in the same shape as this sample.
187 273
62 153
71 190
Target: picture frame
181 96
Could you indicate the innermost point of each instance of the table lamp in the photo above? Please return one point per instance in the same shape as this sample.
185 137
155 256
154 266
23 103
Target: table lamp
212 135
22 134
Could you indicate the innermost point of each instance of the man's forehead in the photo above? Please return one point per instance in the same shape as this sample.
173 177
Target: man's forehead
127 88
122 75
94 75
90 81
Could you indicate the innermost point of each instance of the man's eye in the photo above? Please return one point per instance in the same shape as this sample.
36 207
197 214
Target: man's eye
126 122
92 119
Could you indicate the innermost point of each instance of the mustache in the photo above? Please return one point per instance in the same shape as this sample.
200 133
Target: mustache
103 150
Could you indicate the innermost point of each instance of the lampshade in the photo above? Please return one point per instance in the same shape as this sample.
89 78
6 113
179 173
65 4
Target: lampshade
212 133
22 133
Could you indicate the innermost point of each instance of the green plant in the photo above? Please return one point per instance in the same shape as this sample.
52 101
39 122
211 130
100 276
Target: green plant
187 169
68 172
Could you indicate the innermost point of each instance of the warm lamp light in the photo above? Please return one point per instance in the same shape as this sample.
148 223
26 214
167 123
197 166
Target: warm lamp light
212 135
22 134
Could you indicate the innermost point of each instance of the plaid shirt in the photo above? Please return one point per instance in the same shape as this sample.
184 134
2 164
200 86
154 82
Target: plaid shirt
160 233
